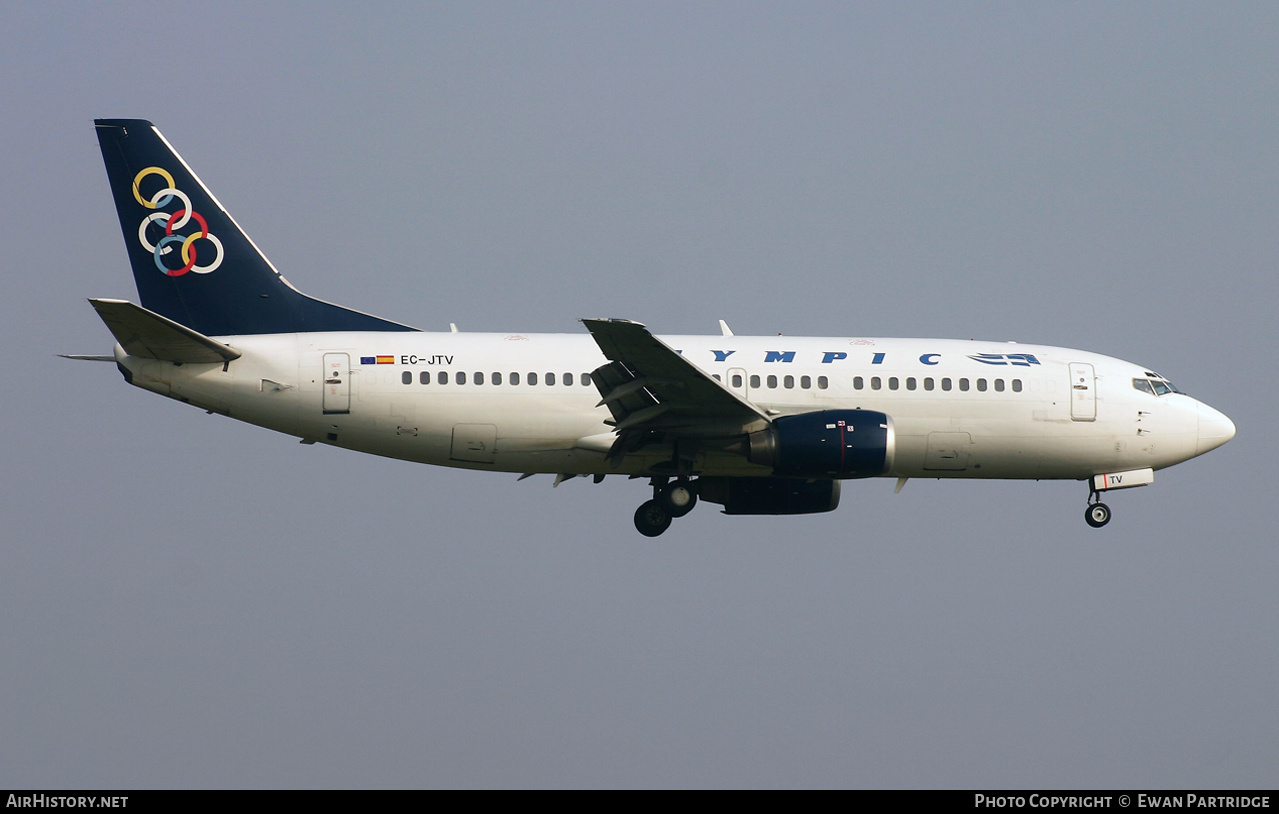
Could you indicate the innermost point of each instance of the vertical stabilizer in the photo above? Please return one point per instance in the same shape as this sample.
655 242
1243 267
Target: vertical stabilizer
191 261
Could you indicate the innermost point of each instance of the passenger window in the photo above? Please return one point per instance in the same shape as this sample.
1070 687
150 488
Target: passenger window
443 378
407 377
497 378
772 382
822 382
550 379
479 378
425 377
737 380
716 377
806 382
1016 385
910 383
963 385
568 378
892 382
515 378
755 380
586 379
461 377
981 385
789 382
928 383
945 383
875 383
858 383
532 378
999 385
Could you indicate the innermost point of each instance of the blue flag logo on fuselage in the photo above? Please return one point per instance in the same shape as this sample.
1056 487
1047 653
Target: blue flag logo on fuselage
1020 359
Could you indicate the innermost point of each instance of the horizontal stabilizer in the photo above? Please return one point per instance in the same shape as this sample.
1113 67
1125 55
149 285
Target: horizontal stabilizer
145 333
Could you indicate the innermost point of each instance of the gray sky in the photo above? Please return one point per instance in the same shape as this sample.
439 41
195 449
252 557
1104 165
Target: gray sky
189 601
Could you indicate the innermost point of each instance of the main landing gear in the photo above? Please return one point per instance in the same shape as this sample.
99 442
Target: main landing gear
670 500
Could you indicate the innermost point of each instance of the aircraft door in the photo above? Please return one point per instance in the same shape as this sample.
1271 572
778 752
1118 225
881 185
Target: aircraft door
737 381
337 383
1083 392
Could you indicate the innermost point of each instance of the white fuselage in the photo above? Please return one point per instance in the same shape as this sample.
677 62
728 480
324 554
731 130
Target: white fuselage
524 402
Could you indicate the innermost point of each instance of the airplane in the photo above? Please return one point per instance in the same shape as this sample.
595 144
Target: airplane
756 425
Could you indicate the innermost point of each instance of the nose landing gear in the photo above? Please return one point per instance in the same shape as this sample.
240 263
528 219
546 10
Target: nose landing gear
1097 514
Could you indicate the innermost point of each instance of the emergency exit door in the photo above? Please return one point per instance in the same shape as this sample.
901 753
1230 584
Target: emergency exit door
337 383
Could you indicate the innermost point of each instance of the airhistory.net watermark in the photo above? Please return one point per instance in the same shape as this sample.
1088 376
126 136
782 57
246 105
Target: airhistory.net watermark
63 801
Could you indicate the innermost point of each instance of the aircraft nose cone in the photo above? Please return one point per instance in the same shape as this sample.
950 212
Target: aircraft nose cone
1214 429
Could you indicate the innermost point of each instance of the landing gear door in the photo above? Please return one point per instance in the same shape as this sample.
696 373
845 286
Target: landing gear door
337 383
1083 392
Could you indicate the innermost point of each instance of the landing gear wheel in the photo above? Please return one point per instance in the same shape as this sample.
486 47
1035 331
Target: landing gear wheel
678 498
1097 515
652 518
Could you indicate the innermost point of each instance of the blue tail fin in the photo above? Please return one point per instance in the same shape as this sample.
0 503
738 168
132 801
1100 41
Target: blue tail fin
191 261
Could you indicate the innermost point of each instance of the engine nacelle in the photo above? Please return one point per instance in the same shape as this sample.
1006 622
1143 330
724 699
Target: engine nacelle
826 444
769 495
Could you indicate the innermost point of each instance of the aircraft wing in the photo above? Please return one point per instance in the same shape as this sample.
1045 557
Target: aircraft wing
649 387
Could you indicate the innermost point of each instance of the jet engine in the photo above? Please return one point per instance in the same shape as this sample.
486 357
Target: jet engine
826 444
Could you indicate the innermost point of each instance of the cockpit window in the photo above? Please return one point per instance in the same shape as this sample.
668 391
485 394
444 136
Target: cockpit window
1156 387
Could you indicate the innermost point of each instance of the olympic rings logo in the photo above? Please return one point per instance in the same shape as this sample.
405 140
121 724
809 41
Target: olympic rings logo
172 222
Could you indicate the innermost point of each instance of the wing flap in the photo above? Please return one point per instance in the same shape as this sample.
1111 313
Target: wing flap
145 333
